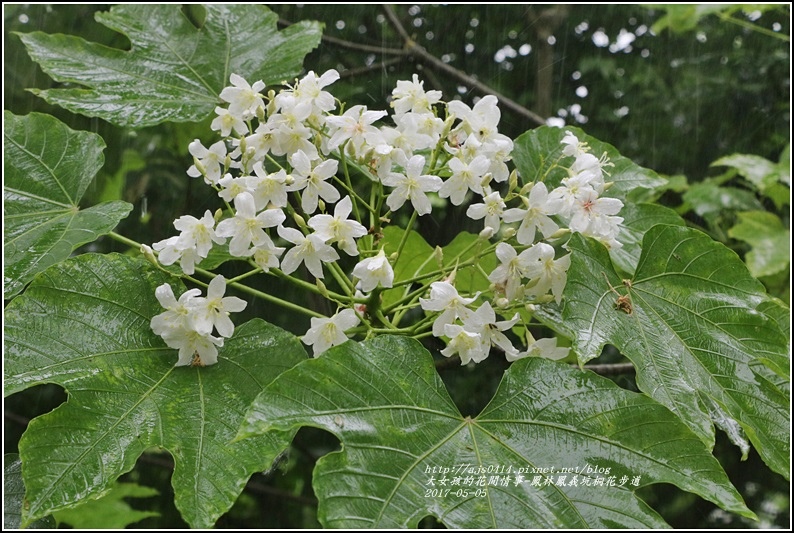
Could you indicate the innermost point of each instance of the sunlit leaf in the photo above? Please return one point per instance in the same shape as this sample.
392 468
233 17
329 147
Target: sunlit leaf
690 322
407 452
47 168
173 71
84 324
708 198
110 511
770 241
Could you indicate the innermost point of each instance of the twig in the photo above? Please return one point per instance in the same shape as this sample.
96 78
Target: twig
422 55
349 73
350 45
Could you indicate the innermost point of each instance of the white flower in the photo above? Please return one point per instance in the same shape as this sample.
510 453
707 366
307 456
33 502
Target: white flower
268 188
327 332
226 121
491 210
176 315
513 268
232 187
471 346
198 234
483 322
207 161
266 255
413 186
535 216
465 177
353 125
589 212
310 88
374 271
246 227
338 228
411 96
243 98
545 271
546 348
572 145
312 181
213 311
194 348
444 297
170 253
310 250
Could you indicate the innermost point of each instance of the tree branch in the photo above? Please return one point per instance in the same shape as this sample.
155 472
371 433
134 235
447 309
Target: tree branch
423 56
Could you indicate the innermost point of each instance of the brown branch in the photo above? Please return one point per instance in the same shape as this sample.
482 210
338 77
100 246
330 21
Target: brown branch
350 45
347 73
423 56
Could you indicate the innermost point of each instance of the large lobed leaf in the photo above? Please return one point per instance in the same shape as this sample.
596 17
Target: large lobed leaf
47 168
174 71
84 324
700 330
401 435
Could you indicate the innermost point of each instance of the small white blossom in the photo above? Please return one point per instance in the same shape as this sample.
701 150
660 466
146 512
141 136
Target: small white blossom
176 312
411 96
213 311
465 177
469 345
374 271
535 216
491 210
226 121
546 348
444 297
243 98
310 250
207 161
412 185
170 253
198 234
327 332
312 181
547 272
338 228
268 188
246 227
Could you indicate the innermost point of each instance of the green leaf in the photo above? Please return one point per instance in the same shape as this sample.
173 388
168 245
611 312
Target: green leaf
173 70
770 241
637 219
694 334
759 171
401 432
84 324
417 259
47 168
537 152
708 198
14 496
110 511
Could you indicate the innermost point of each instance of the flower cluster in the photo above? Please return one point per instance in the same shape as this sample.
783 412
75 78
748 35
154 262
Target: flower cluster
187 323
285 158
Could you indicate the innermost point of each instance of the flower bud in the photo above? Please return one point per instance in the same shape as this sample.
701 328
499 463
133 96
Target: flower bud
562 232
148 253
322 287
509 233
218 215
299 220
502 302
512 181
321 205
438 254
486 233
